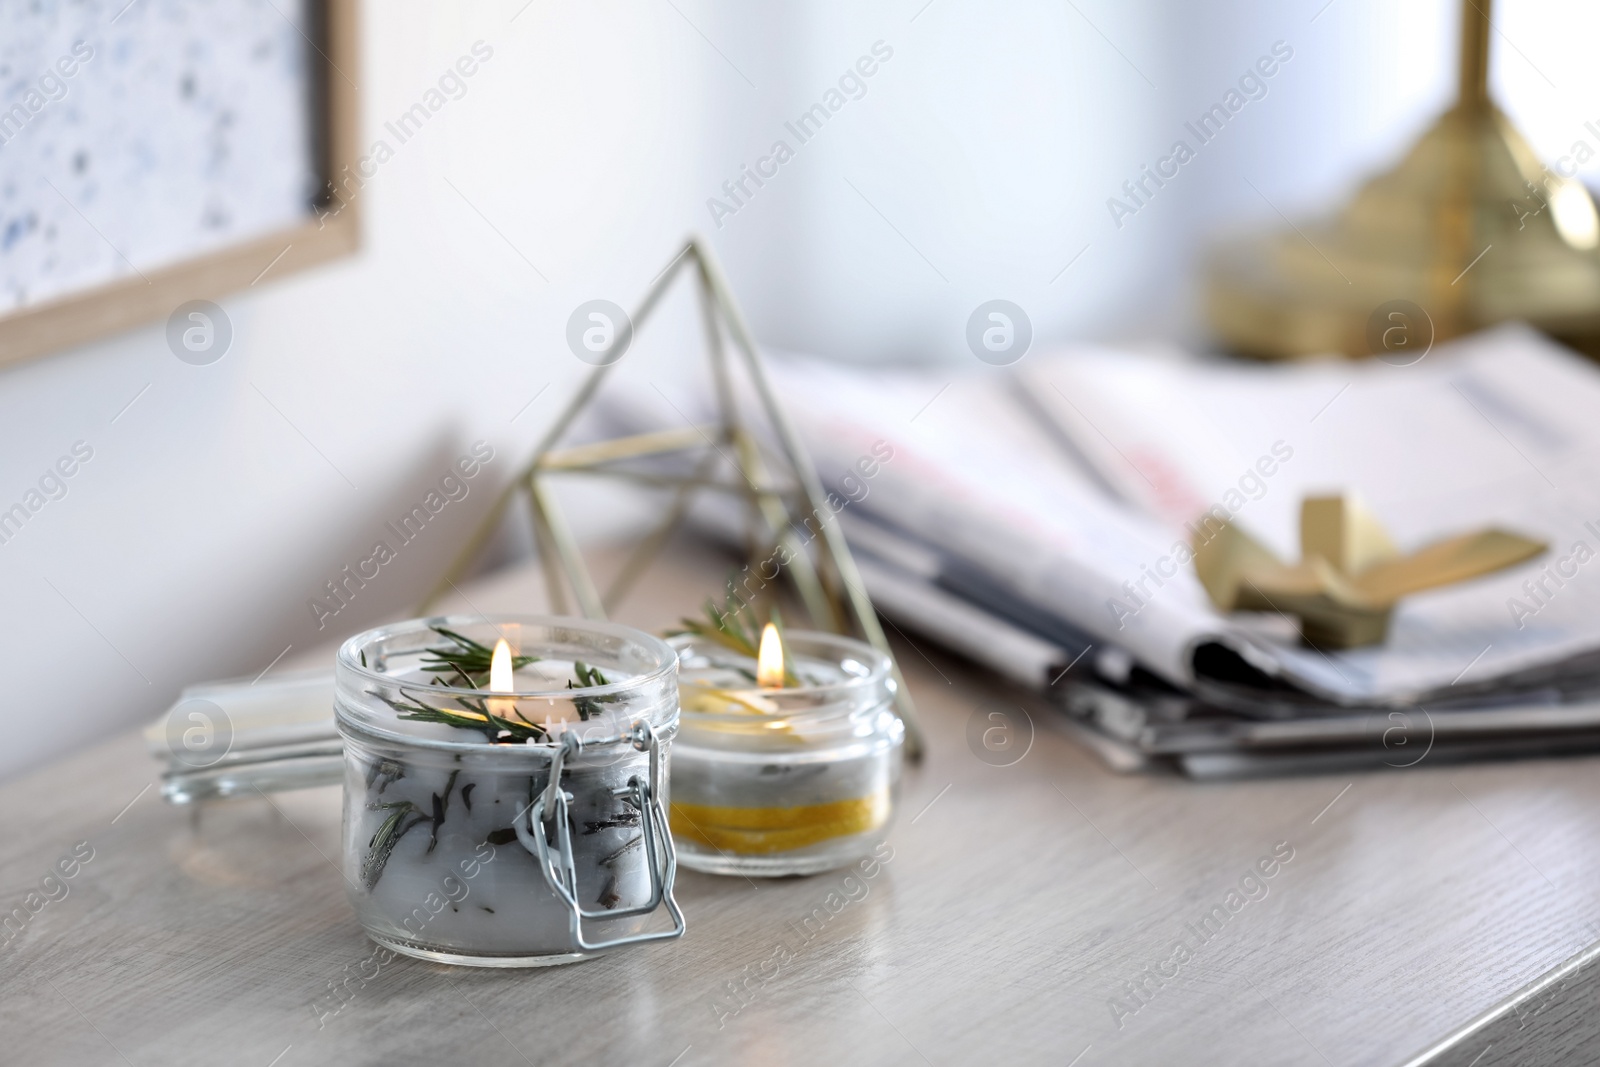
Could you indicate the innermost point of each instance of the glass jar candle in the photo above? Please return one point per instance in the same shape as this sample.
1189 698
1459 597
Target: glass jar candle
504 789
791 780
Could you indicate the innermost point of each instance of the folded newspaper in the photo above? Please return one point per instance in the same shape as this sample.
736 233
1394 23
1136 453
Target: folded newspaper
1079 519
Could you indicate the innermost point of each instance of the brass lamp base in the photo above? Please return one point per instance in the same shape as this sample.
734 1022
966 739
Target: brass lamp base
1467 231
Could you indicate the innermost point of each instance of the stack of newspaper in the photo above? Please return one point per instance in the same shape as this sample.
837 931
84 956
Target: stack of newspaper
1035 520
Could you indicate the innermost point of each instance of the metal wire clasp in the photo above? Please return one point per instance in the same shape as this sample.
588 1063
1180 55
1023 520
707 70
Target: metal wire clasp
560 873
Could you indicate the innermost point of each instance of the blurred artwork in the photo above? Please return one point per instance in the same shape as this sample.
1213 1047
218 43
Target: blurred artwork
136 135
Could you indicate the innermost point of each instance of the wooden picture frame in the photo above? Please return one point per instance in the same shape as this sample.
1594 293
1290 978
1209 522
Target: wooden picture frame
331 227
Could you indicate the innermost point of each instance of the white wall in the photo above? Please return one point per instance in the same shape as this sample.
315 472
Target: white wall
994 137
188 546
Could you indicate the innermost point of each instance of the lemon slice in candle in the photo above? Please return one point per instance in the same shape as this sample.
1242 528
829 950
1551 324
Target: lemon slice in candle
752 831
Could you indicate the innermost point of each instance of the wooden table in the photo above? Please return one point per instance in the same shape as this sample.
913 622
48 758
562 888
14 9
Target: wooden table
1018 904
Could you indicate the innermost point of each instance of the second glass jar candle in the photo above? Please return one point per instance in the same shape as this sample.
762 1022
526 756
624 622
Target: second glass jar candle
789 780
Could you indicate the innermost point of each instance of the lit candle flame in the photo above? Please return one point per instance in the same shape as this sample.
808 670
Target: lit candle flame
500 668
501 681
769 659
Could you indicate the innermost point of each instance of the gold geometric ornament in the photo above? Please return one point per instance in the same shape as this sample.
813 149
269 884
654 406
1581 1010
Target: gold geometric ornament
1350 576
790 531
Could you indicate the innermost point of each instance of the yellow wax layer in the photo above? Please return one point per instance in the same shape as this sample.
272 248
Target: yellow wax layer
754 831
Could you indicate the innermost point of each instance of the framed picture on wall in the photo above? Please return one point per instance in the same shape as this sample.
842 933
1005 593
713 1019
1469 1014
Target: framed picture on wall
155 152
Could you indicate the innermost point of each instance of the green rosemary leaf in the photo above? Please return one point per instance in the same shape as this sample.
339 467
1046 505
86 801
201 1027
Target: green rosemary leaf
433 716
450 786
730 641
589 678
462 640
492 726
465 658
441 804
388 835
751 630
388 770
735 626
438 820
386 828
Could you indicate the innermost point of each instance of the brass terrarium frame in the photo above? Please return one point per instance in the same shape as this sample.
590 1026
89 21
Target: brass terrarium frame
784 499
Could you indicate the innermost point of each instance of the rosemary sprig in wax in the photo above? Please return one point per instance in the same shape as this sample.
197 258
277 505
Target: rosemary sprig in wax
735 627
387 836
465 658
440 806
403 817
588 677
469 661
476 716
